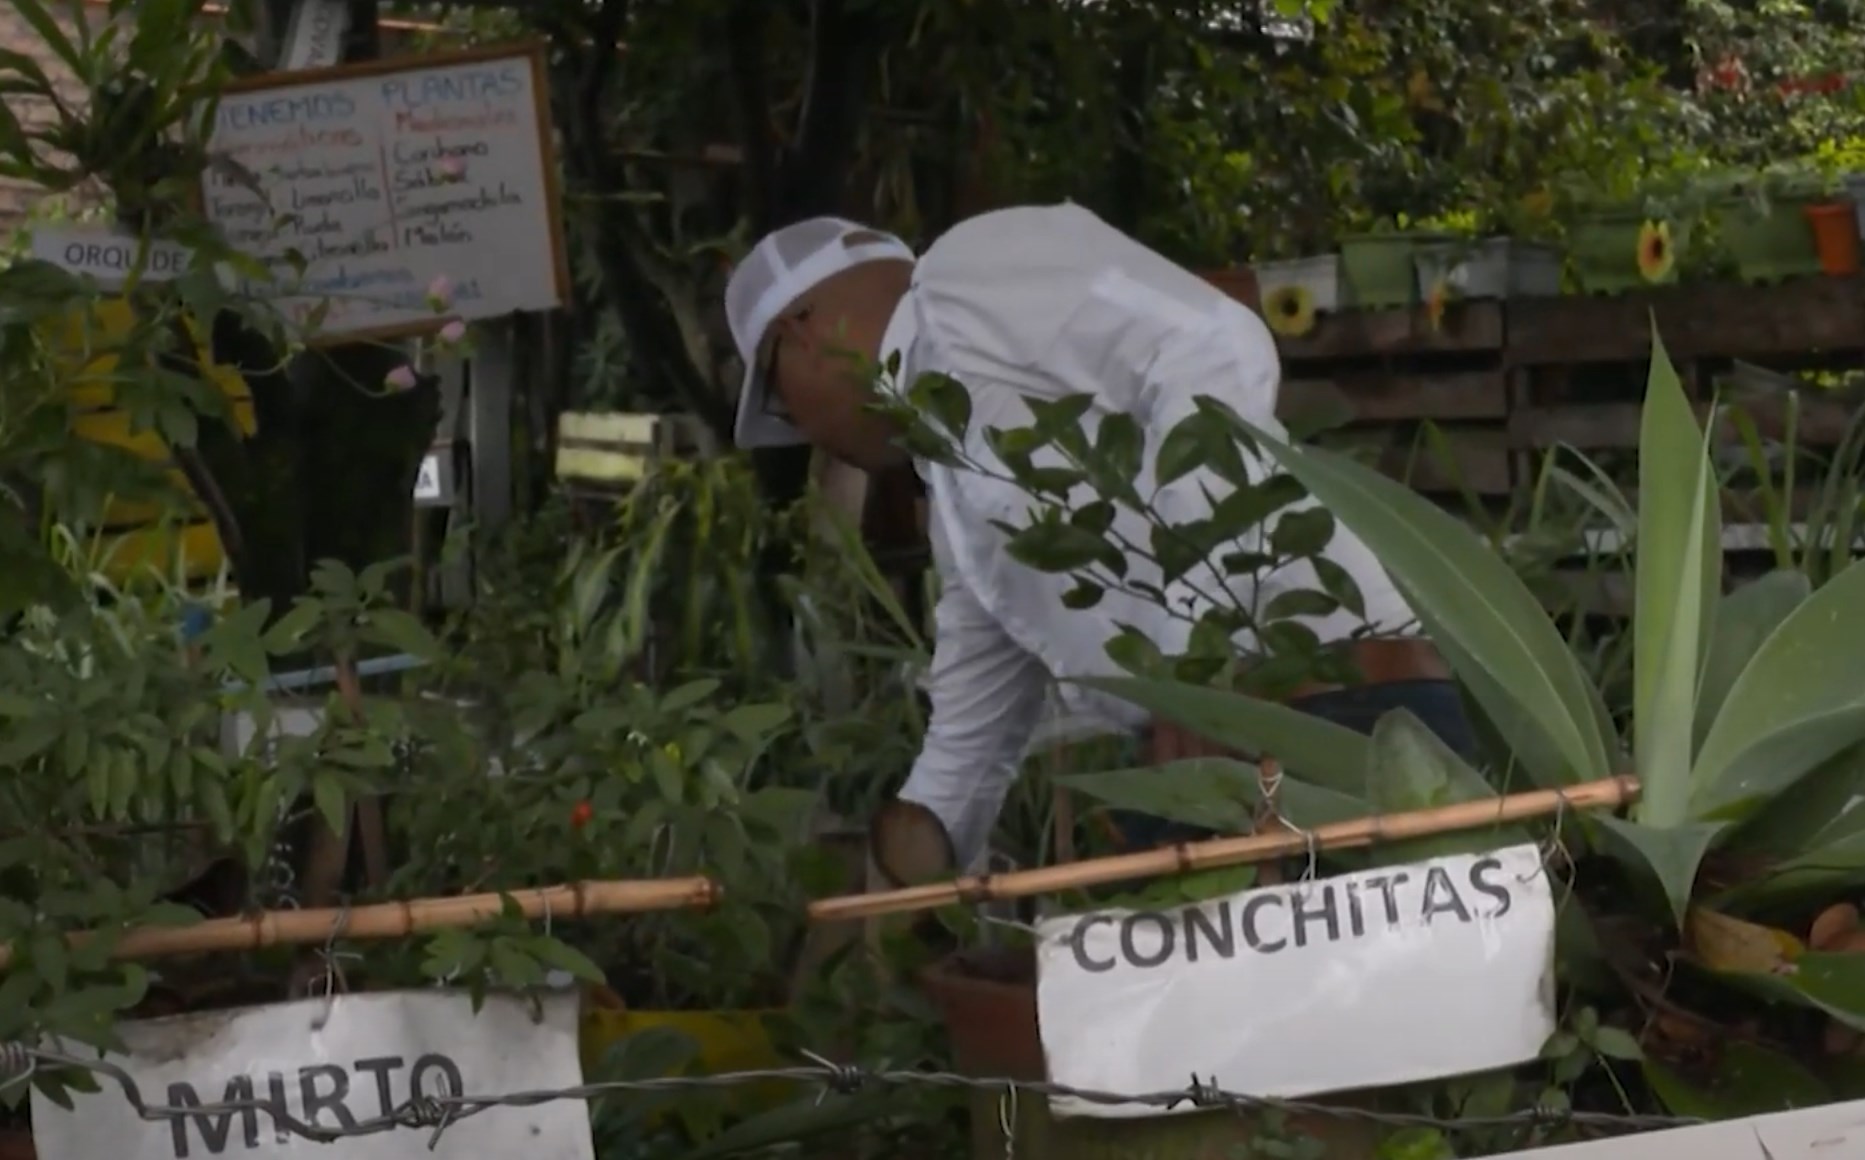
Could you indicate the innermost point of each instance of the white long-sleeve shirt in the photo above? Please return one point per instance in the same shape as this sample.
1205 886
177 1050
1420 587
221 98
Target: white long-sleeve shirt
1049 301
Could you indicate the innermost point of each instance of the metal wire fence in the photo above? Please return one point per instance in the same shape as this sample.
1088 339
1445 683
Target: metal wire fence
19 1063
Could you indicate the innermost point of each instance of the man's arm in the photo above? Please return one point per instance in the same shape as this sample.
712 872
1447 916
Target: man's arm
986 694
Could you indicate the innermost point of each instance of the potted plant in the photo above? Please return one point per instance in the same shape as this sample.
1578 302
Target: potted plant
1504 264
1296 291
1765 226
1381 264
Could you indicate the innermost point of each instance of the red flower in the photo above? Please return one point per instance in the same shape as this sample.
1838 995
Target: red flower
580 813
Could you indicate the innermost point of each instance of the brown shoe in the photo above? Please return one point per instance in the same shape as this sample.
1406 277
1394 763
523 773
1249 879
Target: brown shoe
909 845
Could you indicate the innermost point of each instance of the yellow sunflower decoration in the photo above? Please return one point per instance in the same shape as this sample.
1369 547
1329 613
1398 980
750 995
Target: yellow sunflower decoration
1290 310
1655 254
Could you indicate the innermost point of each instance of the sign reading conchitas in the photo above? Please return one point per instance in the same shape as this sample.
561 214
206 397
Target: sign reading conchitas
333 1064
1388 976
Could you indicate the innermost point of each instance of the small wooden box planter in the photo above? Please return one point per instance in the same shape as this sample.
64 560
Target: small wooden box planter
607 452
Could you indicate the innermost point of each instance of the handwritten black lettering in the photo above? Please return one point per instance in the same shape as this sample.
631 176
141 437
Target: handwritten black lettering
1315 914
1078 944
1129 947
1252 937
1221 934
1441 896
1310 904
215 1131
1482 873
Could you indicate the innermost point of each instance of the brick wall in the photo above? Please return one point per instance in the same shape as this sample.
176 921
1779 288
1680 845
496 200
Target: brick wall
17 197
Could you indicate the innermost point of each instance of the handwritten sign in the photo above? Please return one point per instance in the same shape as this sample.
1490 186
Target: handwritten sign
380 179
333 1064
1290 991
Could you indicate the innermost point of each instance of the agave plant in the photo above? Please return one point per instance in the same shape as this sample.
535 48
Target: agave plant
1747 718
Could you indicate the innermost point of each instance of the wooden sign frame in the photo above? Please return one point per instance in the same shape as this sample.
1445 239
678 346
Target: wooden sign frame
532 51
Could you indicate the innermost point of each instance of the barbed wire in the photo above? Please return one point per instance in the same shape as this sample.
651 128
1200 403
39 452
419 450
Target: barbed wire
20 1062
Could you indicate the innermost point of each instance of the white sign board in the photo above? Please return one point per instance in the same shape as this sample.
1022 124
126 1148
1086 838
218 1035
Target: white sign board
332 1064
314 35
387 184
109 255
1291 991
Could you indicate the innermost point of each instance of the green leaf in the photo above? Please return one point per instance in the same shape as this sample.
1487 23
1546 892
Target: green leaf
288 632
561 955
1339 584
1053 546
1617 1043
1083 595
1118 451
688 695
1812 840
1800 701
753 723
327 794
1408 767
1471 598
1744 620
1679 577
946 400
1748 1080
1301 534
1210 793
1316 750
1182 451
1299 602
400 631
1669 856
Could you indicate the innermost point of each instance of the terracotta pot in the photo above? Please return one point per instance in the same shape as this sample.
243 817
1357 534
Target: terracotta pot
1238 282
1836 234
16 1144
988 1003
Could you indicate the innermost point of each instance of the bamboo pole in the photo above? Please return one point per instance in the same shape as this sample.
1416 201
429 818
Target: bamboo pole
1189 856
386 920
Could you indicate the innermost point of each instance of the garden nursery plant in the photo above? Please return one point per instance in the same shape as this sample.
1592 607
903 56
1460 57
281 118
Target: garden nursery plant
1705 956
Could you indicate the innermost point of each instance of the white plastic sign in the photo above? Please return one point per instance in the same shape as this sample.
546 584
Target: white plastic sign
109 255
334 1064
314 34
1290 991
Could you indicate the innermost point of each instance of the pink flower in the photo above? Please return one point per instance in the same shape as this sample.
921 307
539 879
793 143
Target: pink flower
440 293
402 378
453 169
454 333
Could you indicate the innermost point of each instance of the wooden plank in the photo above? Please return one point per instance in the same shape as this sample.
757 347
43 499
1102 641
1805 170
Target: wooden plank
1479 459
1801 316
1380 396
1822 422
1468 327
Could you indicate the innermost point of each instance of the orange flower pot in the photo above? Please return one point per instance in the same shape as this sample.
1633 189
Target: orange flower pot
1836 233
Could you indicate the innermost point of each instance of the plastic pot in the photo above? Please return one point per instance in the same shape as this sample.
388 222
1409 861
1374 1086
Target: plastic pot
1320 276
1770 243
1605 252
1494 268
1835 236
1381 269
988 1004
